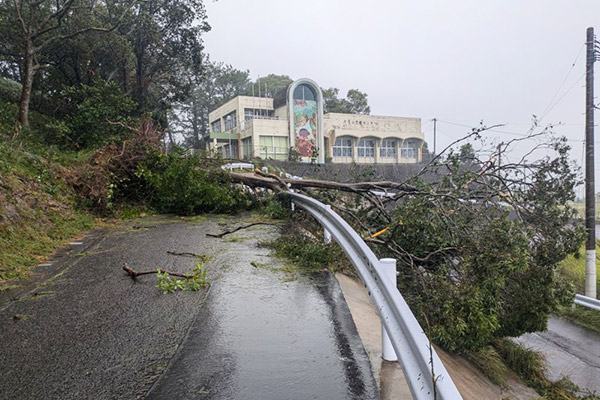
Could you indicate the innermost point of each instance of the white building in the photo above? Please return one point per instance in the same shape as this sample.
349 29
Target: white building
247 127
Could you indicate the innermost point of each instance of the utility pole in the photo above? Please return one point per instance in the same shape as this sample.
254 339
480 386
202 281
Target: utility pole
434 134
590 197
500 154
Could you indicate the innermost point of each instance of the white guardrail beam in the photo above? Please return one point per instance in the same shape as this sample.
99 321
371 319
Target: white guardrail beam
426 375
588 302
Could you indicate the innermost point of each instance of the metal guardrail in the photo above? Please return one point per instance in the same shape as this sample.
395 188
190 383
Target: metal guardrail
239 165
426 375
588 302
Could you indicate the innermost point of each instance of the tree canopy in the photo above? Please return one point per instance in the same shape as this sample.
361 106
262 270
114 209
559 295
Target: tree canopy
149 48
220 82
354 103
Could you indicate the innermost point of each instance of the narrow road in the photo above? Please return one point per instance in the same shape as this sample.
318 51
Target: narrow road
268 333
82 329
570 350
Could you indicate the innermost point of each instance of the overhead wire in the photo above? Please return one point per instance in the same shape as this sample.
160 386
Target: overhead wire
564 80
506 132
562 97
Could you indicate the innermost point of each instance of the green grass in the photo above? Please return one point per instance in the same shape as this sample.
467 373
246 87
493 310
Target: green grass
579 206
491 364
503 356
303 253
26 245
572 268
530 366
583 316
37 213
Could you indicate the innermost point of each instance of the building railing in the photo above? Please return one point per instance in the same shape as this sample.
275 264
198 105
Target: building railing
427 377
250 118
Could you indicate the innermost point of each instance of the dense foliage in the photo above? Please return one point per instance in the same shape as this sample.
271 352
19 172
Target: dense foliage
478 242
190 185
91 116
148 48
355 102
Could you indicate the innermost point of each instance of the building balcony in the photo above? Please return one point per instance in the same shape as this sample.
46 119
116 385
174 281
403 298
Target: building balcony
265 127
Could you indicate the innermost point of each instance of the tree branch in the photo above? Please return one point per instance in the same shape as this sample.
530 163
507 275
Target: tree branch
134 274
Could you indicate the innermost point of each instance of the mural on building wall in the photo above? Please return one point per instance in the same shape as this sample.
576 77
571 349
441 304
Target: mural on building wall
305 126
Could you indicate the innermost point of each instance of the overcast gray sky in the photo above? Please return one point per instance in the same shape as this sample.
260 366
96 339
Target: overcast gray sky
461 61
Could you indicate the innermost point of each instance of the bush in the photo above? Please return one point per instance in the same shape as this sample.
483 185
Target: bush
303 252
185 185
277 208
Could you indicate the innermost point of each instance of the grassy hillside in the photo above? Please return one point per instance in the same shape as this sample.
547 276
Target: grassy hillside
37 212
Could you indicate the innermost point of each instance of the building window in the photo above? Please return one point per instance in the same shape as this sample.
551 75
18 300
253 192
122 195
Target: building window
229 150
273 147
230 121
388 149
409 149
366 148
342 148
304 92
216 126
247 148
251 113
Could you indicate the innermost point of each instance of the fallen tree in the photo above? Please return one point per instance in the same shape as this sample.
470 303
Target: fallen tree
477 240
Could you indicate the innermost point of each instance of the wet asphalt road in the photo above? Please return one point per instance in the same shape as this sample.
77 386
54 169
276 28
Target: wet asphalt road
570 350
87 331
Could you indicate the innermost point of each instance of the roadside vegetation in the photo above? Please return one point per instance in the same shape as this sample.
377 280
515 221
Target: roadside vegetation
572 269
88 113
37 213
58 177
477 271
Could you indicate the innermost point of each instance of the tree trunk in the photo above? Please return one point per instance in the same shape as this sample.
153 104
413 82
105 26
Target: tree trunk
195 128
27 81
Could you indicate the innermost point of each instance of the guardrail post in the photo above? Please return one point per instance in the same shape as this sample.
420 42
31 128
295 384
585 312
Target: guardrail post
326 233
388 266
293 206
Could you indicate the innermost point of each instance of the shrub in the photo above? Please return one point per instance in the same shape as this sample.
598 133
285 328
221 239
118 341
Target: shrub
277 209
303 252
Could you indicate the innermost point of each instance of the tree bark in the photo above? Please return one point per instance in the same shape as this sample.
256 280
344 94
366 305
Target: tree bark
27 82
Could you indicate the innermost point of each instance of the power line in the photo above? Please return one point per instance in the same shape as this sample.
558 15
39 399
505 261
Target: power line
564 80
506 132
562 97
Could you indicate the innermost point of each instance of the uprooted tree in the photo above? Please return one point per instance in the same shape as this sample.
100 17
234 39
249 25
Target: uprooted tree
478 241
